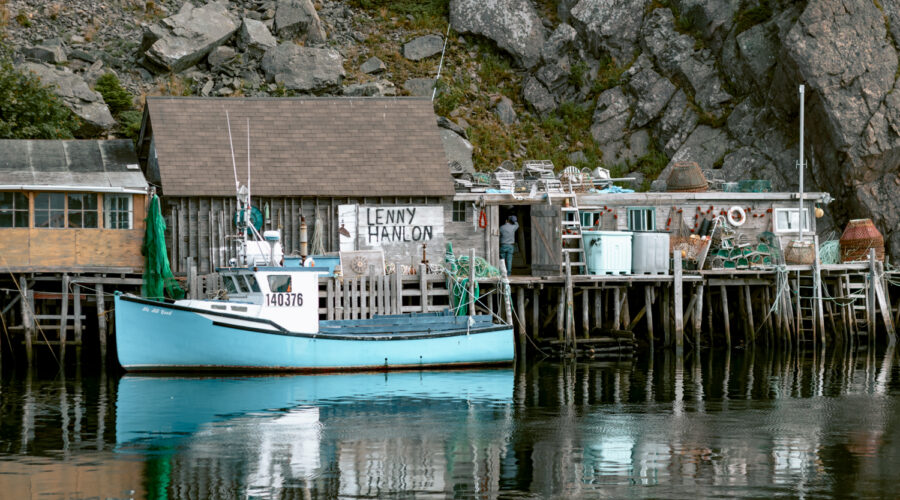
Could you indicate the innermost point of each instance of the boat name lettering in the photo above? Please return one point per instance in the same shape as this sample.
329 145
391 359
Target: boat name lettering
284 299
156 310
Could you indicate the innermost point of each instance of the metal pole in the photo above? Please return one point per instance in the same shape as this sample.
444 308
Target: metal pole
800 211
440 64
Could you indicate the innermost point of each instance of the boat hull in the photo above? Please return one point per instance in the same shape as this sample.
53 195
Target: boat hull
153 336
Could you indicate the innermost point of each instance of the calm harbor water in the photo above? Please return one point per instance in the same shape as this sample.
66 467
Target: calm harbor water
745 424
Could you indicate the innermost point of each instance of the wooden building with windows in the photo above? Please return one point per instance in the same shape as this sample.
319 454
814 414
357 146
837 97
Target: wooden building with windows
71 206
369 173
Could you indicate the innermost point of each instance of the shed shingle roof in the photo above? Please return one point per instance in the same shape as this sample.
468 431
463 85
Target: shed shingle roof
87 163
300 146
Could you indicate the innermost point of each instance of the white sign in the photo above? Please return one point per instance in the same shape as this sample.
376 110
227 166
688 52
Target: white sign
380 226
400 231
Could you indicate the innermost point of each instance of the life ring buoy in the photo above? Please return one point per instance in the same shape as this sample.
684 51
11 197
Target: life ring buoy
482 219
736 216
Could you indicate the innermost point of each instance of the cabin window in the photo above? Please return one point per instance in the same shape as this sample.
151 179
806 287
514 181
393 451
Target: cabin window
787 220
459 211
229 284
590 219
13 209
641 218
251 280
82 210
50 210
117 211
280 283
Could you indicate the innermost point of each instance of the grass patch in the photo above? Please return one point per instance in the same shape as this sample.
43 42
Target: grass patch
749 17
414 14
609 75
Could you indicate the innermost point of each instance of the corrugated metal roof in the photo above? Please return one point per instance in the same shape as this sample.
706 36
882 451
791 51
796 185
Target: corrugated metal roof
88 163
300 146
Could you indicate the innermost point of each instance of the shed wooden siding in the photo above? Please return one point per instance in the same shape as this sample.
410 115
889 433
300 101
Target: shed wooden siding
63 249
200 230
616 217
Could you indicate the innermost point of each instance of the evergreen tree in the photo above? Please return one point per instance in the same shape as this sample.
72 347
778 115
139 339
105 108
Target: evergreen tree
28 110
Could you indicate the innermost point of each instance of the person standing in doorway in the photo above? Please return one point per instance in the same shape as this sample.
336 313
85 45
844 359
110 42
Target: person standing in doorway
508 241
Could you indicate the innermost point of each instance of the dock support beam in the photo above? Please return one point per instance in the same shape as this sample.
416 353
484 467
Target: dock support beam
698 316
648 306
63 319
727 319
520 312
679 306
27 319
101 323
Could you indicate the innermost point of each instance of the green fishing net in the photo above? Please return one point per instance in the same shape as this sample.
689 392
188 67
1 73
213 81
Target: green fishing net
158 277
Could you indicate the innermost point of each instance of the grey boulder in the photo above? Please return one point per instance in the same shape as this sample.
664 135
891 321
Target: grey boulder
181 41
372 66
420 87
87 104
513 24
537 95
255 37
504 110
299 19
50 51
610 121
422 47
610 26
370 89
458 151
307 69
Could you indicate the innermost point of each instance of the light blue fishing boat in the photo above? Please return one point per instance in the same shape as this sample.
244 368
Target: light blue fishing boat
272 323
270 320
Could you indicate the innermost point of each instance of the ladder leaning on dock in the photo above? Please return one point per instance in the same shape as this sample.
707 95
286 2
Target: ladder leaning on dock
571 231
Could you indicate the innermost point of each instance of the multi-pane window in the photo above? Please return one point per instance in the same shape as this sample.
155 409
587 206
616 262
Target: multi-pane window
787 220
459 211
13 209
641 219
82 210
117 211
50 210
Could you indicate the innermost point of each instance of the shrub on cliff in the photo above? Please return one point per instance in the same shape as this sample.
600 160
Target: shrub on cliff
28 110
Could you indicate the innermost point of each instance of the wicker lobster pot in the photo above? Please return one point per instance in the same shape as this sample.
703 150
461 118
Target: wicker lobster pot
800 252
859 236
686 177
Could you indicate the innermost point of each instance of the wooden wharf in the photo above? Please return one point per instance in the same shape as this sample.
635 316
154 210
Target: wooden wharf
851 304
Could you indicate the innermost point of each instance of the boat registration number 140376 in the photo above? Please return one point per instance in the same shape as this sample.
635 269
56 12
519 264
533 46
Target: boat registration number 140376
284 299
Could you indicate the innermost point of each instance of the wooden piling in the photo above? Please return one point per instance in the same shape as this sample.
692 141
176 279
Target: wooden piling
749 312
472 280
536 313
423 287
666 317
520 312
648 306
561 315
726 316
101 322
63 319
77 310
679 299
598 308
870 294
617 308
586 313
27 319
698 316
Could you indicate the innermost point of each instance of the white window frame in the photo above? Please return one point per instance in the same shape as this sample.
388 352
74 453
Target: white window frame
641 214
455 211
776 222
108 211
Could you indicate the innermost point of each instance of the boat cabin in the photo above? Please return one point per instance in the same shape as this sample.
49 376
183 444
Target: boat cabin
71 206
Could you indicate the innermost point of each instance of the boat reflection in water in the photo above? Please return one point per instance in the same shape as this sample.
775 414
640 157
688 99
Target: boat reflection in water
321 435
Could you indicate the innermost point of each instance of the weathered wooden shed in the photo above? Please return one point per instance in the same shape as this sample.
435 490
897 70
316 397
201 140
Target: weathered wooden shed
71 206
375 166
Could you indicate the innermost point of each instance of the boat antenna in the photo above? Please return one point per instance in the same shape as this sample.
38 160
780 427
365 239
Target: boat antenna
237 185
248 160
441 64
800 163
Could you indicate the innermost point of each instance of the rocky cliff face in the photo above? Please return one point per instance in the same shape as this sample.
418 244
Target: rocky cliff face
711 81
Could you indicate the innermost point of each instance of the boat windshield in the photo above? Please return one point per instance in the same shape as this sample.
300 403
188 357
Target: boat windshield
254 285
229 284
